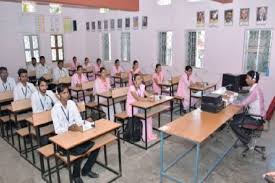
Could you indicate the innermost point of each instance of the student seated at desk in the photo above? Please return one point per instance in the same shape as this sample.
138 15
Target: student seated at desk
135 70
60 71
98 65
74 64
43 99
158 77
87 64
42 69
116 68
255 103
78 79
32 66
23 89
6 83
66 117
186 80
102 84
135 93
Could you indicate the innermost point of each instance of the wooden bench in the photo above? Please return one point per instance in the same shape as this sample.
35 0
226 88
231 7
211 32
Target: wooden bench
5 100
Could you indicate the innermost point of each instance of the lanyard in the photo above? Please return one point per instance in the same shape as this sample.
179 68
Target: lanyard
25 92
42 104
6 86
66 115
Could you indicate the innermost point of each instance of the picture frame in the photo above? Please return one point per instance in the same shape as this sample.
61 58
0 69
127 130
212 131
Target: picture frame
244 16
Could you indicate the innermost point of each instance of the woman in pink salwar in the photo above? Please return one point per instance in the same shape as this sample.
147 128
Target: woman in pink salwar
74 64
183 90
78 79
135 93
135 70
116 68
88 66
102 84
158 77
98 65
255 103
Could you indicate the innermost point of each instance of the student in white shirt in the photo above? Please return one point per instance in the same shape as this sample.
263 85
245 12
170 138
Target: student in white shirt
66 117
60 71
43 99
32 67
6 83
23 89
42 69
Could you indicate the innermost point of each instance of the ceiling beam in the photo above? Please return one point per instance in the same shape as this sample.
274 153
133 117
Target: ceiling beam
224 1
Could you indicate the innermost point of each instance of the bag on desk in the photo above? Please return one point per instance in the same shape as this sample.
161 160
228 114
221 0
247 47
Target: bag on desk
133 130
78 150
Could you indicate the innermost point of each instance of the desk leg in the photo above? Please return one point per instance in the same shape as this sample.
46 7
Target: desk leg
69 167
15 121
161 90
119 154
32 149
108 109
77 96
171 90
98 107
190 100
105 156
57 165
197 164
171 110
146 140
161 156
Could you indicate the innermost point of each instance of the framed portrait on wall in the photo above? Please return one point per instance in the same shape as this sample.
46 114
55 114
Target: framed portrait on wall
93 26
228 17
135 22
119 23
112 24
87 26
105 24
200 19
127 23
214 17
99 25
144 22
261 15
244 16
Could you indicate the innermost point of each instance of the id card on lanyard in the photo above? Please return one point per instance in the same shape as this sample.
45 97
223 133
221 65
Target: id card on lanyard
5 86
65 114
25 92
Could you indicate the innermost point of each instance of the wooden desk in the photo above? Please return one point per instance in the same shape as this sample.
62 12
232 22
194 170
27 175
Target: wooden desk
199 88
170 85
195 127
120 79
71 139
88 86
88 72
146 106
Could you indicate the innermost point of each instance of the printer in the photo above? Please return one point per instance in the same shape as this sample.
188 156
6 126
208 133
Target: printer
212 102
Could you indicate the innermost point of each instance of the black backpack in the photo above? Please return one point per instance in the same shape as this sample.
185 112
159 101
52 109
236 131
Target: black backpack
133 130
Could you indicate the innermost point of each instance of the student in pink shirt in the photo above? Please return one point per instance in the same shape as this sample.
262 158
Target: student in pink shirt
102 84
158 77
74 64
116 68
135 70
137 92
78 79
255 103
88 66
98 65
183 90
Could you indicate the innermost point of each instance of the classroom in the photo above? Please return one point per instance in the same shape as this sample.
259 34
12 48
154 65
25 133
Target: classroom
137 91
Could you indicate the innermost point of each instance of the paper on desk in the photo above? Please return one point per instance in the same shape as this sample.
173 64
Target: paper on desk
86 126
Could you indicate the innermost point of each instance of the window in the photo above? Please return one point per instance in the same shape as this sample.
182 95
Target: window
165 48
55 9
196 47
57 47
106 42
104 10
31 46
164 2
28 7
125 46
257 50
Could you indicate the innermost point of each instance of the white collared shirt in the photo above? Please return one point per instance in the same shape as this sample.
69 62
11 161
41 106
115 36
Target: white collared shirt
59 73
63 117
42 103
21 92
8 85
31 68
42 70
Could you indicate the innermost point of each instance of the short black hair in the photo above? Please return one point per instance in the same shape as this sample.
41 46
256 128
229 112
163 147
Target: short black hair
188 67
61 87
158 65
22 71
74 57
60 61
254 75
33 58
41 57
86 58
101 69
78 67
116 61
97 60
135 62
40 80
3 69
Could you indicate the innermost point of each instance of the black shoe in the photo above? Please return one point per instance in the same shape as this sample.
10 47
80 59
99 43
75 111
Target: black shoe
78 180
91 174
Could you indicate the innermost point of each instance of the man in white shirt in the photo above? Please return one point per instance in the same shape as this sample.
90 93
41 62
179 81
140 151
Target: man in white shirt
23 89
6 83
66 117
32 66
43 99
42 69
60 71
